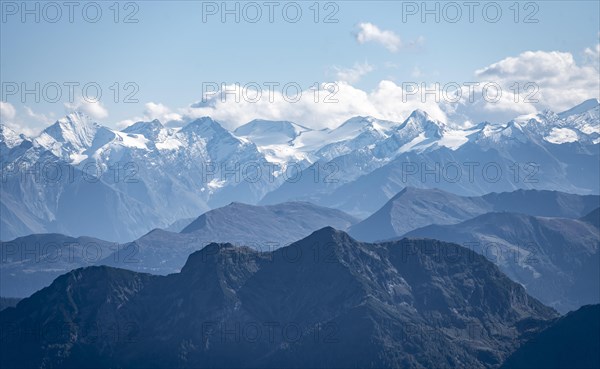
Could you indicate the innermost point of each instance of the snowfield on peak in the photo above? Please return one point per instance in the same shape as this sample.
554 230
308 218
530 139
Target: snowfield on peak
561 135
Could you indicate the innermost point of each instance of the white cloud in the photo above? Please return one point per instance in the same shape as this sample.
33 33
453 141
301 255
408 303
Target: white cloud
8 116
94 109
126 123
353 74
371 33
152 111
560 81
160 112
592 56
385 102
368 32
39 117
7 111
563 83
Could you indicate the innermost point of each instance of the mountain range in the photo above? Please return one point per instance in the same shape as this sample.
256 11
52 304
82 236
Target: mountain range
32 262
526 152
262 228
556 259
414 208
326 300
79 178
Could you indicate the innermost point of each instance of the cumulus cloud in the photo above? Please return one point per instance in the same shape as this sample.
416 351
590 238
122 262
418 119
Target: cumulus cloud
545 80
9 117
7 111
353 74
160 112
39 117
151 112
94 109
592 56
327 108
368 32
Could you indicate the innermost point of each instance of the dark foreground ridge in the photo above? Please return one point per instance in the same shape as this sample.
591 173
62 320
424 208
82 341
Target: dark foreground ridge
572 342
324 301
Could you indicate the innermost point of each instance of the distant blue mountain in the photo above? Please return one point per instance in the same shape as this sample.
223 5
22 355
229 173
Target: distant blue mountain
556 259
264 228
249 223
593 217
414 208
32 262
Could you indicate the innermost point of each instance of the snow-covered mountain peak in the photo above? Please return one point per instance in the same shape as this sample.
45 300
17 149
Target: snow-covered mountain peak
150 130
69 136
513 124
205 127
358 157
420 132
354 126
266 132
357 133
269 125
203 121
586 106
419 122
419 115
510 132
9 137
481 126
357 121
76 127
531 118
487 129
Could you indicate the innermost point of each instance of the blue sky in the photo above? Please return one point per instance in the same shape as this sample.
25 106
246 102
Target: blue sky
171 51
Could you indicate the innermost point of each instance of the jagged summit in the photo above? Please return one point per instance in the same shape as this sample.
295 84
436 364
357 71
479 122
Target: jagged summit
76 128
148 129
206 127
202 122
355 167
9 137
420 125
